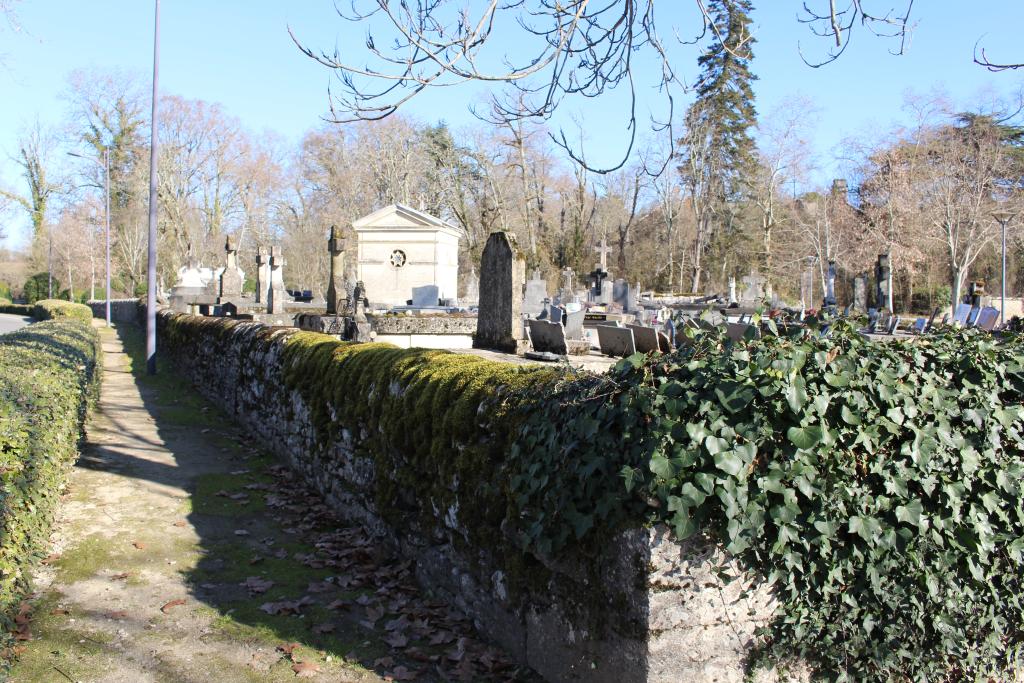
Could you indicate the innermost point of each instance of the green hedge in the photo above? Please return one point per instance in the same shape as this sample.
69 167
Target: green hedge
48 375
57 309
50 309
877 485
17 309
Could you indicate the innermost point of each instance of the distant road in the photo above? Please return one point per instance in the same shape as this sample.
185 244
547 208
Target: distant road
11 323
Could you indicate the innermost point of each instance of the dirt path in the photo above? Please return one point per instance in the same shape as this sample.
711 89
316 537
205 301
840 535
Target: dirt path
184 554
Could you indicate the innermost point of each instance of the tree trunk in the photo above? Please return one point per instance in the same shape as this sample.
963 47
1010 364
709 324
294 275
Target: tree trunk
955 285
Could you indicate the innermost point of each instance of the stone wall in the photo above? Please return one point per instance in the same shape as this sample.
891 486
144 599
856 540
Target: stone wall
638 606
121 310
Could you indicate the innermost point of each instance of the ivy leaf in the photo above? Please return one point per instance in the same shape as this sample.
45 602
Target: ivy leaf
910 513
662 467
804 438
683 524
729 462
735 396
796 394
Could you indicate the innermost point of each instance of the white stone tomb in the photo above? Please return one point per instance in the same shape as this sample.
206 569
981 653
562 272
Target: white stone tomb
399 248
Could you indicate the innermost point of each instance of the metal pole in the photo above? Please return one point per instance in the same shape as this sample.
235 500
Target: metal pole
106 163
1002 289
49 263
151 268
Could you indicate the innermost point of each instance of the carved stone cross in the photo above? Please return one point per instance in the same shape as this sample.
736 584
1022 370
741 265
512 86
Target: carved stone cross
603 249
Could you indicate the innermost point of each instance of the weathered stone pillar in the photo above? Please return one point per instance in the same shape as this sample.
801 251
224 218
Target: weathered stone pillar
231 278
883 274
860 293
277 295
262 274
499 323
336 287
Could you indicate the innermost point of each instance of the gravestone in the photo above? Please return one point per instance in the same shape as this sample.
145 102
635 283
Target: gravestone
732 289
807 288
882 275
664 342
830 286
616 341
231 278
262 274
567 292
535 295
547 337
336 286
472 296
277 294
425 296
607 293
499 322
620 293
600 275
754 292
860 293
573 321
645 339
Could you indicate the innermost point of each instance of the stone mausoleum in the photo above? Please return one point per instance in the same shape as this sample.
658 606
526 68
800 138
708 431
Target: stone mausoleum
400 248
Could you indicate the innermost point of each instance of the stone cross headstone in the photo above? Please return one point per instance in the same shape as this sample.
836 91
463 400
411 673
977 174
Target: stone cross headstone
262 274
603 250
499 322
230 278
860 293
568 277
882 275
336 286
277 294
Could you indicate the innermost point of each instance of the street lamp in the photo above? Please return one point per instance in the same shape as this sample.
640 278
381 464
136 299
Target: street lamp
106 190
151 258
1003 217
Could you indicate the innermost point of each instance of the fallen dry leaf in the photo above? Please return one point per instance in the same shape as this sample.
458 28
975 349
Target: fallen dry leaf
397 640
181 522
305 669
287 648
118 614
257 585
120 577
51 558
60 611
400 673
173 603
139 545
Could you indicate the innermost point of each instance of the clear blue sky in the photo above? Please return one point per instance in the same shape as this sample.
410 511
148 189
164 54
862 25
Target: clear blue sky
239 54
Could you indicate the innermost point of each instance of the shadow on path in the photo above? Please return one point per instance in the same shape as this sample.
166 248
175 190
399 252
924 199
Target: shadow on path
184 553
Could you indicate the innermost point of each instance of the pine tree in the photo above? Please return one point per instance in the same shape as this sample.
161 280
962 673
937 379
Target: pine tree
718 146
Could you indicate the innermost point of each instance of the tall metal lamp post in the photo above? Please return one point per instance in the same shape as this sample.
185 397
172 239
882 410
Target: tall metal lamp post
106 191
1003 217
151 265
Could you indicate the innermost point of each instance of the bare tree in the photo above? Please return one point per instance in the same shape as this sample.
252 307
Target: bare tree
784 157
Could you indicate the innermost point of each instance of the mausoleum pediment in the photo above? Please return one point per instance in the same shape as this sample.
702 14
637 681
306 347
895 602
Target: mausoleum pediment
401 217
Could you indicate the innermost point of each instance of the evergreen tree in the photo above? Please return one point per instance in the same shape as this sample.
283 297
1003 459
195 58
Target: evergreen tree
718 146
